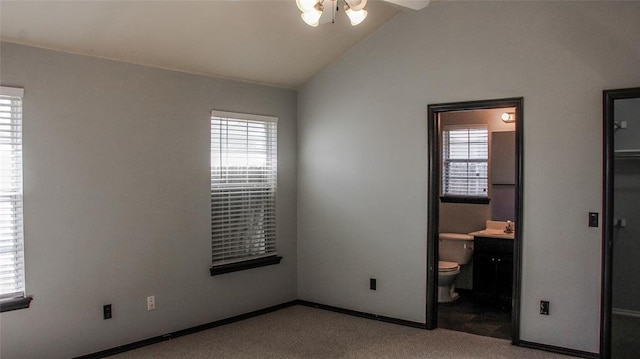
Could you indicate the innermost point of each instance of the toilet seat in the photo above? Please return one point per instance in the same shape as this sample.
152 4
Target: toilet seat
455 236
444 266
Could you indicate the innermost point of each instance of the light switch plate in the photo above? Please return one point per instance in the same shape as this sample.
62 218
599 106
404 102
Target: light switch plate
544 307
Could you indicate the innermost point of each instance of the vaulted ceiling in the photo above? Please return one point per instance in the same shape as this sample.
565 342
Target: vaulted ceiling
250 40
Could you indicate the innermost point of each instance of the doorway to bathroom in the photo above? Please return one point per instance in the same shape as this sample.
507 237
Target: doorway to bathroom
620 317
475 222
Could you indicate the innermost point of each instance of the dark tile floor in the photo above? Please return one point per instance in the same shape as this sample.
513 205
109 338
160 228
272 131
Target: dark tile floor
464 315
625 337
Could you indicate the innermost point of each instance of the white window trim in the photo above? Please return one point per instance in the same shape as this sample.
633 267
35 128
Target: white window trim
11 91
448 128
252 261
243 116
17 299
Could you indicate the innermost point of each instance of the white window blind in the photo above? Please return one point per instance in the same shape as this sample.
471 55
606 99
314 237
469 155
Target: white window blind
243 187
465 153
11 227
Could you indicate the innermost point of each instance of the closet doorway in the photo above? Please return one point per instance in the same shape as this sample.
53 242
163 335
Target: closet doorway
620 317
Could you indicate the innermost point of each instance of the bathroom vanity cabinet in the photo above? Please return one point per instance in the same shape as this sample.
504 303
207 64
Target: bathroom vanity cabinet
493 270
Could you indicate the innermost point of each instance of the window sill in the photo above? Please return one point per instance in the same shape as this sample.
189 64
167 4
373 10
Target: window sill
238 266
9 304
465 199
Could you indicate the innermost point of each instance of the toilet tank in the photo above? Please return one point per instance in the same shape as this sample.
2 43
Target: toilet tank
455 247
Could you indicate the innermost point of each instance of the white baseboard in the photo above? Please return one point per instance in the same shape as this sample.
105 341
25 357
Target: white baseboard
626 312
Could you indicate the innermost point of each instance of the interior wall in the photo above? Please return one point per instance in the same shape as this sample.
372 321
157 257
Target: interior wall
116 183
363 152
626 240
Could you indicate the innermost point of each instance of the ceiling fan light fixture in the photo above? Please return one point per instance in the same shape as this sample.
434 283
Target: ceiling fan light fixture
306 5
312 10
312 17
356 5
356 17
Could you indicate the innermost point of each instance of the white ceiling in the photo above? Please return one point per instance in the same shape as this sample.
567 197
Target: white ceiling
262 41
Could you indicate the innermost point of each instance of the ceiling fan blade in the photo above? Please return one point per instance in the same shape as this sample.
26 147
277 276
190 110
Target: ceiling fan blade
411 4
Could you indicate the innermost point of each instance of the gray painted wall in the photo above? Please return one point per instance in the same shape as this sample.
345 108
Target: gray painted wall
116 167
363 152
626 241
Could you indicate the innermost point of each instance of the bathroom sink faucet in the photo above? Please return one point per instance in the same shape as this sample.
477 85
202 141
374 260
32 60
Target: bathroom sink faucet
508 228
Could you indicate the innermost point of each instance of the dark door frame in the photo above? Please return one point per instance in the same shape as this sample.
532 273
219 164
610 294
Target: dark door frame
434 200
608 99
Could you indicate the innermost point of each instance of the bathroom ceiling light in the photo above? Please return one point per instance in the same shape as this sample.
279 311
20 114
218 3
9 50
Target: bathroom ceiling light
312 10
508 117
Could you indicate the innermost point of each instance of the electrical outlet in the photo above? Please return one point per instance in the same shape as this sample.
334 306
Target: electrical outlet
151 302
106 311
544 307
372 283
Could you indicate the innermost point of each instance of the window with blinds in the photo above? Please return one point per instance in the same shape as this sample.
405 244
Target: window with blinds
465 155
11 228
243 188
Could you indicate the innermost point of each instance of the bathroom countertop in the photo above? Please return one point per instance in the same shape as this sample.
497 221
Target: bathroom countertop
492 233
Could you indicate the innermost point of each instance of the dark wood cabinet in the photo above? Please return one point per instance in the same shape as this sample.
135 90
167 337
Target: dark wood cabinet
493 271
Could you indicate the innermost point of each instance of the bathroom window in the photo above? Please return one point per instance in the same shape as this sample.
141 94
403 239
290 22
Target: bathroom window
243 191
465 156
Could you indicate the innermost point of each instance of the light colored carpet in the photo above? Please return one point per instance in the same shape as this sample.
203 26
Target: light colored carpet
303 332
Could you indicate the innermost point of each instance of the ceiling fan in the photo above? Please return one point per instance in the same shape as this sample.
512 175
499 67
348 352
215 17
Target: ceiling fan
313 10
411 4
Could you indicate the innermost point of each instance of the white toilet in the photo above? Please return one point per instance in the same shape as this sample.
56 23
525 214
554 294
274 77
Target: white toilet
455 249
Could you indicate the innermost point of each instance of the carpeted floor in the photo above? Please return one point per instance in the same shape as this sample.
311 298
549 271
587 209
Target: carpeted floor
304 332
